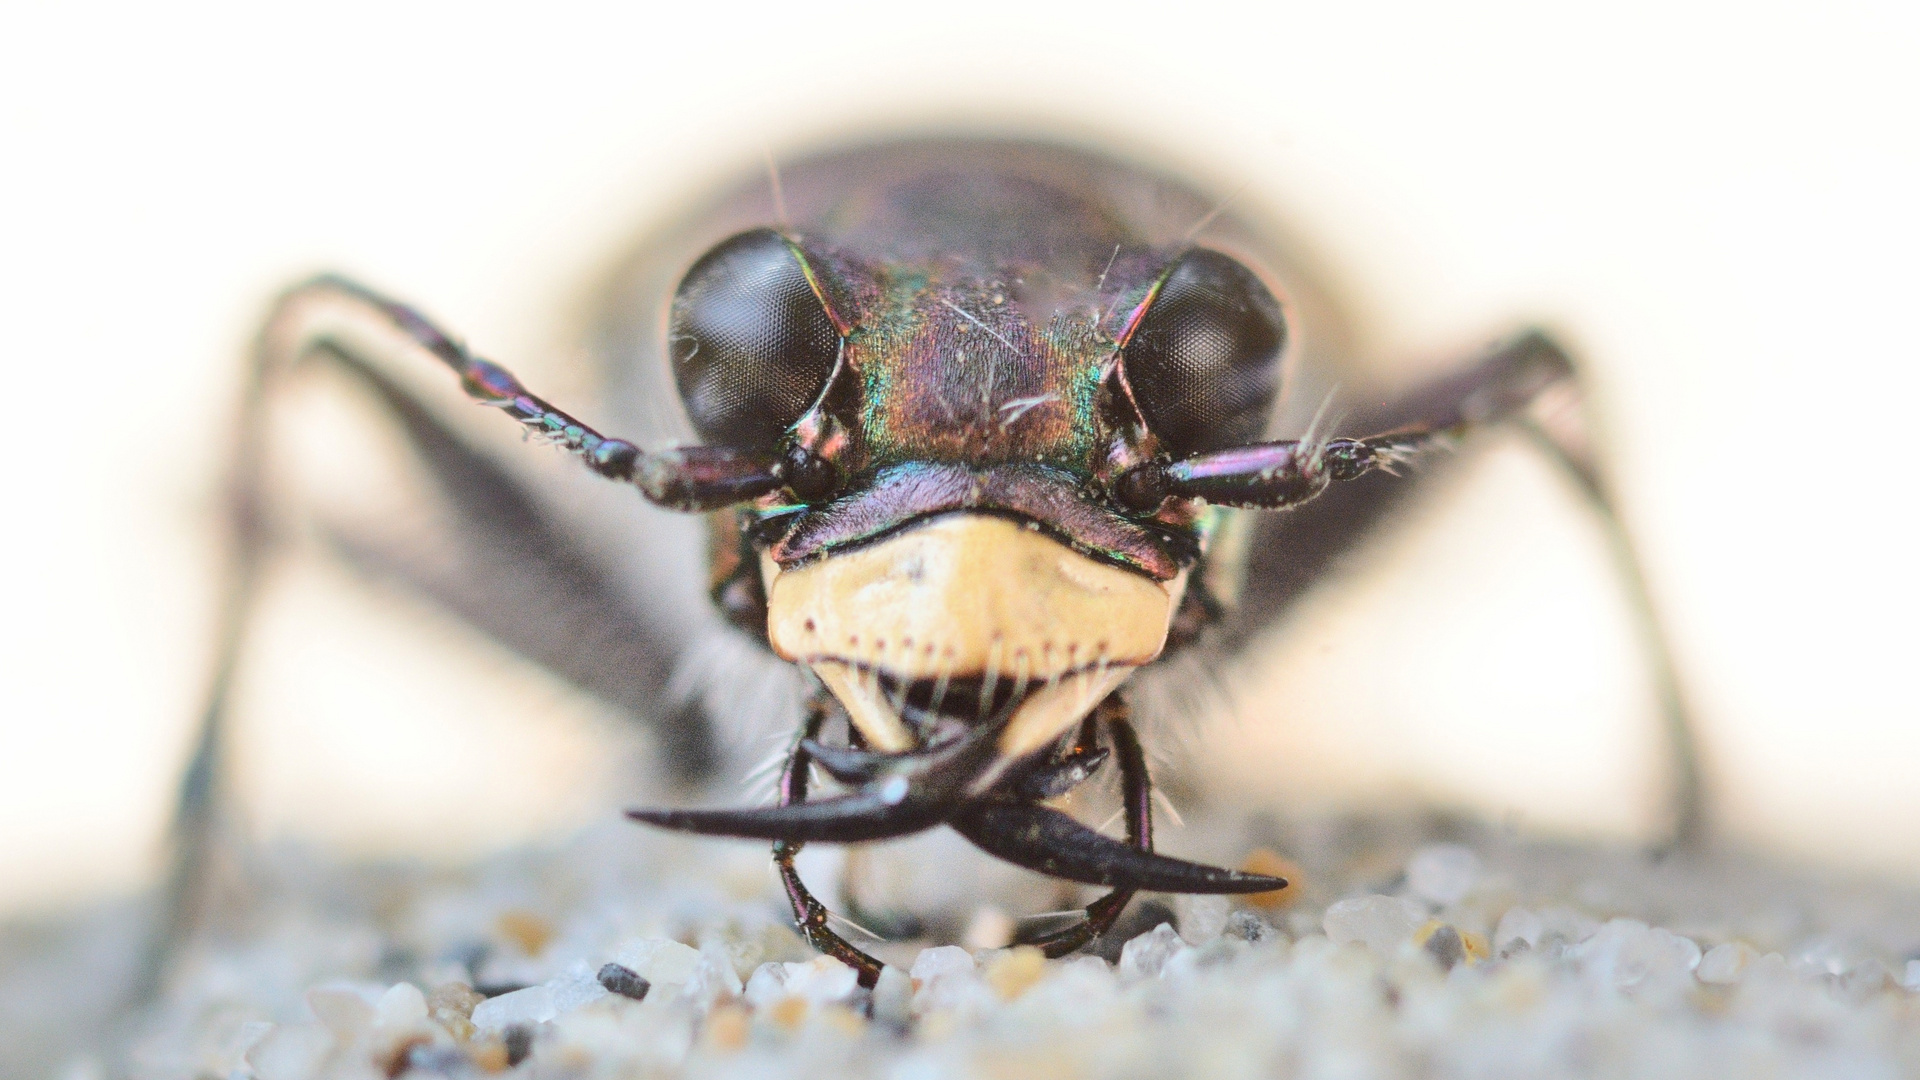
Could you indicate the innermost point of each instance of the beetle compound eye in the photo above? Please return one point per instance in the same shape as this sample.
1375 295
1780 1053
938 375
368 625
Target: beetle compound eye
751 342
1204 360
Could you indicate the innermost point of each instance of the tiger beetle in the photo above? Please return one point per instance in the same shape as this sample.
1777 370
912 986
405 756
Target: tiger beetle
980 429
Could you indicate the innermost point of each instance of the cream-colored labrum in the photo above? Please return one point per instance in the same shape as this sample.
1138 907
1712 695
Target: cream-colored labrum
965 595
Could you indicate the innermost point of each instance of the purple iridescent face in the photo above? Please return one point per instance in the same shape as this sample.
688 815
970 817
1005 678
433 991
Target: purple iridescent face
973 340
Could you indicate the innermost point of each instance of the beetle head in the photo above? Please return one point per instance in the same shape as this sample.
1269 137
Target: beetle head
950 422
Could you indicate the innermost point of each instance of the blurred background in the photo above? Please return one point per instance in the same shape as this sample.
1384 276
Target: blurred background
1714 202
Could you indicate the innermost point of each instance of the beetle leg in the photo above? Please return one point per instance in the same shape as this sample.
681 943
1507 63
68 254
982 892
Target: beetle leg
1288 553
333 312
200 814
517 579
1687 824
1277 475
505 570
809 914
1265 476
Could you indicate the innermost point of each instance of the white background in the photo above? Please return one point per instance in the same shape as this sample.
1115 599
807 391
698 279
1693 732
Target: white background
1716 202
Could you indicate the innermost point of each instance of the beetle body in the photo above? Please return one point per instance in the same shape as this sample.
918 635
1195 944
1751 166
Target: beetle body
978 429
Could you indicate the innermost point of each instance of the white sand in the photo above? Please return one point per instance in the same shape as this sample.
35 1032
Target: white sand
1538 960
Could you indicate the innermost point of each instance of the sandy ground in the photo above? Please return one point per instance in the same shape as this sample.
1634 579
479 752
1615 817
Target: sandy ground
1410 947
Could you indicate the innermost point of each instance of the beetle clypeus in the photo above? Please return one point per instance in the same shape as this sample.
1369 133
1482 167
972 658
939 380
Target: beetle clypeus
975 423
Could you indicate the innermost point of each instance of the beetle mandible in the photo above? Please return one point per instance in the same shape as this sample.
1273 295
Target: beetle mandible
982 428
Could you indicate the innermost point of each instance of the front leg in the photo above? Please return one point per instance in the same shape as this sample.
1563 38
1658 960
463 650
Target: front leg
501 565
1526 384
336 314
809 914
